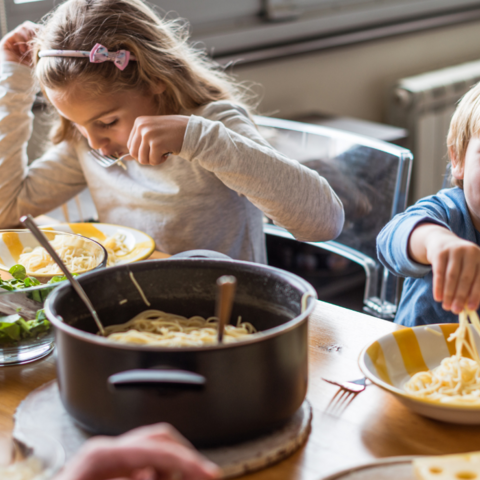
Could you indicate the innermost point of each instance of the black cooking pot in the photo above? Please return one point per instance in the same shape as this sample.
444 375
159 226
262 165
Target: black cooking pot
213 395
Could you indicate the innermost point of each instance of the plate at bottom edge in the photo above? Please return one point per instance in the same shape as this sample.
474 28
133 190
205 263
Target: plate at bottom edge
391 468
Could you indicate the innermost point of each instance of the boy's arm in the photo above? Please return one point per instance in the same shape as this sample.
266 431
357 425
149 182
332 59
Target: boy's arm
455 265
292 195
49 181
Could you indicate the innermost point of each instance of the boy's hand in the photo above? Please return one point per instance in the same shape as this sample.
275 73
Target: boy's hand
455 264
14 46
153 138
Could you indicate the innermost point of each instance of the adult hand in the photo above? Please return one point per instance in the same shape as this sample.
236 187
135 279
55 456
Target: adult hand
153 137
154 452
14 46
455 264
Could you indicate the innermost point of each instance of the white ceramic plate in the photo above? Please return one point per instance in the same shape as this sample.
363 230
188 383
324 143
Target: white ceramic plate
140 244
393 468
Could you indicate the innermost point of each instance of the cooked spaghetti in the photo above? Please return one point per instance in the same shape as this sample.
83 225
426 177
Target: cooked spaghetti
157 328
116 248
78 254
457 379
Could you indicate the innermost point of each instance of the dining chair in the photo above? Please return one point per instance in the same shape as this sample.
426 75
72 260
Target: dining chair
370 176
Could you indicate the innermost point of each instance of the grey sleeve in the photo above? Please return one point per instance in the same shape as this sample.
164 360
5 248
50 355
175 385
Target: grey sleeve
49 181
293 196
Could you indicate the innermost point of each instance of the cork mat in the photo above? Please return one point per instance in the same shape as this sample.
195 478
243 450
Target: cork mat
43 411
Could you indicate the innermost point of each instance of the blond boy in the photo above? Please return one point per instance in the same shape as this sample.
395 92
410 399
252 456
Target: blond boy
435 243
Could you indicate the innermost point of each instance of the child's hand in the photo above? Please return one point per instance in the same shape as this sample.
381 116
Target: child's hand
152 138
153 452
14 46
455 264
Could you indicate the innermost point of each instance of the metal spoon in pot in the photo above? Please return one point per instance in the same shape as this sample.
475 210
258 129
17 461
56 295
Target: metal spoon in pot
42 239
226 285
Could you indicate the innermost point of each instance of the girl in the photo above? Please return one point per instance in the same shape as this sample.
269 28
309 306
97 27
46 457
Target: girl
125 81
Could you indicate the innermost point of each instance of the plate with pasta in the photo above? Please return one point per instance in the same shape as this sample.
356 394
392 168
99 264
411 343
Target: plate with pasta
433 369
123 244
20 250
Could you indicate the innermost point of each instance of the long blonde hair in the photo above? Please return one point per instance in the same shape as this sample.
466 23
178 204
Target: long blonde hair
160 46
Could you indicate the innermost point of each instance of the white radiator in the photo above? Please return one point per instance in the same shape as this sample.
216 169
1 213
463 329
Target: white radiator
424 105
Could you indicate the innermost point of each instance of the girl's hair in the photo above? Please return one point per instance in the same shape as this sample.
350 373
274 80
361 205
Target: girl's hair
464 125
160 46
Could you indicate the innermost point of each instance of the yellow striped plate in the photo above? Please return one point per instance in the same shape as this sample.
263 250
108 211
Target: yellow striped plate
394 358
13 242
140 244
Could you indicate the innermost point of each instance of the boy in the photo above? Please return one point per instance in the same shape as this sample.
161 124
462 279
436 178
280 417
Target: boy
435 243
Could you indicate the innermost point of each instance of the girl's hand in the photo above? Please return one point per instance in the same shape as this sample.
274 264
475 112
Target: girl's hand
152 138
154 452
455 265
14 46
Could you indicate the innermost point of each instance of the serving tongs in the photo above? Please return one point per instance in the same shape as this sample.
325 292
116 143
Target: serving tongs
28 221
226 286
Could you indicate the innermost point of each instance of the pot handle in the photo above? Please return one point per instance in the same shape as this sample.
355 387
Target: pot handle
201 254
152 377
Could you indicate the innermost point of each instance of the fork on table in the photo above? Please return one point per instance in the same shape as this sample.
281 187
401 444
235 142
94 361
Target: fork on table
346 393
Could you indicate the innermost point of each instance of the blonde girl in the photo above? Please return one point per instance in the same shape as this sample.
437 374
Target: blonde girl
124 81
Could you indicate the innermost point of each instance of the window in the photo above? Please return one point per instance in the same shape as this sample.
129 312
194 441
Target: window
236 26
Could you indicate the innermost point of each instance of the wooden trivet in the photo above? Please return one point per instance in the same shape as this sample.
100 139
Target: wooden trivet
43 411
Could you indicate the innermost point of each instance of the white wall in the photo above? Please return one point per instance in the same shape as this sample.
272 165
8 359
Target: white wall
354 80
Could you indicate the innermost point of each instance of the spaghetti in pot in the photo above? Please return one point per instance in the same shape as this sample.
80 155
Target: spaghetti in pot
157 328
457 379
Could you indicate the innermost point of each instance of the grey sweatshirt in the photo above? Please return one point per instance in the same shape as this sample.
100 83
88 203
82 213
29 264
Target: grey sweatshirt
211 195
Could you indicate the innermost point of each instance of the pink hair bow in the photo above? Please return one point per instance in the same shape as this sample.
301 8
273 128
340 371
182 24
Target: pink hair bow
100 54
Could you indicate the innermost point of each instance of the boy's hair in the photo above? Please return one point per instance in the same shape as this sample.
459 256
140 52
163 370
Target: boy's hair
464 125
160 46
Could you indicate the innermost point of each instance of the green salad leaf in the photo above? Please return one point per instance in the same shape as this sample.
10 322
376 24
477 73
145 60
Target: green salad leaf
14 328
18 272
20 279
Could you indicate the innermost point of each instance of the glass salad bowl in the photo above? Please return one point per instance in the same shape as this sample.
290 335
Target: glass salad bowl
25 332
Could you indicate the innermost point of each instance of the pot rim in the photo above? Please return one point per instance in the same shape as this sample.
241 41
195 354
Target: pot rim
261 336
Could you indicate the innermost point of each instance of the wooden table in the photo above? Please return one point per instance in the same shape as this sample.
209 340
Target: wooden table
373 425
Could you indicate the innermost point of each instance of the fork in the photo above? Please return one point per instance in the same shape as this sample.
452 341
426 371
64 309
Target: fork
346 393
106 161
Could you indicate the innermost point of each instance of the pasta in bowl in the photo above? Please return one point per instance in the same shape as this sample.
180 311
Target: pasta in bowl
80 254
432 369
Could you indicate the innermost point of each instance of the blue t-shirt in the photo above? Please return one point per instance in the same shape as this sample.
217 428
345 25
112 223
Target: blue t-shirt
446 208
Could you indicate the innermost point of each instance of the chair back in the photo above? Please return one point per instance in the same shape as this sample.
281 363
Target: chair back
370 176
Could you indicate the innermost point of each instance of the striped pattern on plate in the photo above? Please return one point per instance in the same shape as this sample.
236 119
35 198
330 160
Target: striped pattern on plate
140 244
13 243
393 359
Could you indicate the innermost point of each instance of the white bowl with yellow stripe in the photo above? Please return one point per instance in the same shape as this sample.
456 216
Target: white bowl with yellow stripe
139 245
394 358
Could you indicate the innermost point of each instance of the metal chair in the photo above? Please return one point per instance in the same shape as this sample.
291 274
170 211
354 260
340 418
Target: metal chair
372 179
